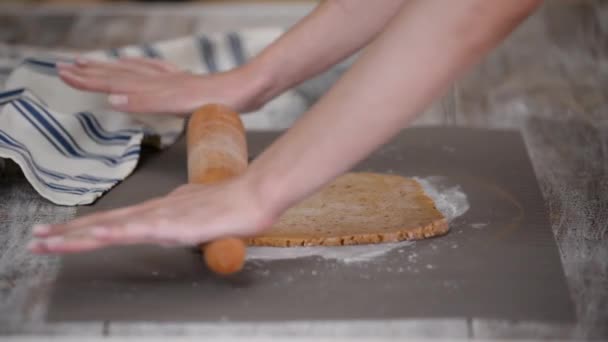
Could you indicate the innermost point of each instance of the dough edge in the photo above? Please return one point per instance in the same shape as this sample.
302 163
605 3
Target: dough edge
433 229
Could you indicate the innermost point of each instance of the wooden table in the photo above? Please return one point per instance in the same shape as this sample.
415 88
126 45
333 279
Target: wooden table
549 80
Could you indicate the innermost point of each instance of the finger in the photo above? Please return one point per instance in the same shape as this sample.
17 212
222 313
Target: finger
66 246
113 66
123 80
142 228
99 219
156 225
82 61
92 238
145 102
133 65
85 83
87 72
65 65
95 219
140 69
156 64
114 219
104 82
62 245
142 231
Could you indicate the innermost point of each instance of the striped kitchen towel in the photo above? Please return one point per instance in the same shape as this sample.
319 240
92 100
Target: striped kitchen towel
73 148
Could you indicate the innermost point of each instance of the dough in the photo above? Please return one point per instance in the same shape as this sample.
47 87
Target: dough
358 208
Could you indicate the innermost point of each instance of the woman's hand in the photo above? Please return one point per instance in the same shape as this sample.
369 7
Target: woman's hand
143 85
189 215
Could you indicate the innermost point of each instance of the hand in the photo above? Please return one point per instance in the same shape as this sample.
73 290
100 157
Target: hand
143 85
190 215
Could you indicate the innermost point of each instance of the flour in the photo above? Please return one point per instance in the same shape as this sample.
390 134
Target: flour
450 201
345 254
478 225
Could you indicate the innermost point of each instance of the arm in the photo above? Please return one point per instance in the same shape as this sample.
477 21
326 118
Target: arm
332 32
422 51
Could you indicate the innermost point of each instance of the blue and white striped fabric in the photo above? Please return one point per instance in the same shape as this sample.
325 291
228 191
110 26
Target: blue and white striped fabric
72 147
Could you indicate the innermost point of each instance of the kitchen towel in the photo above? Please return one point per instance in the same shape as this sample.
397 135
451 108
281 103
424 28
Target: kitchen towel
73 148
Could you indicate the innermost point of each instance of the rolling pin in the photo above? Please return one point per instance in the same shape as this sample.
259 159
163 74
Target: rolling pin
217 151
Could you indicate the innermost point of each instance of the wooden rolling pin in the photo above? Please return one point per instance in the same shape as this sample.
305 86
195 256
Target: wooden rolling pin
217 151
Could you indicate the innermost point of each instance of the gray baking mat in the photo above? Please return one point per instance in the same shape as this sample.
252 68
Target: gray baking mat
499 261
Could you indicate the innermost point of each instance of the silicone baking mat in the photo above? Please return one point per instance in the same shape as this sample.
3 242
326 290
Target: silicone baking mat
499 260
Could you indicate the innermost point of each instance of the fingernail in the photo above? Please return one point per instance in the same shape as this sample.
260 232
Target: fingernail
118 100
41 229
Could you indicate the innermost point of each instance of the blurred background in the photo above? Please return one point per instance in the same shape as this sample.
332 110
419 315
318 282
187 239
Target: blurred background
163 1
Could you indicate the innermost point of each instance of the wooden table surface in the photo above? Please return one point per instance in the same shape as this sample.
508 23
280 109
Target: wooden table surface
549 80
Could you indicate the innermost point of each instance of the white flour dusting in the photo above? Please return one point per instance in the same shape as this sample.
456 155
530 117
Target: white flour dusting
346 254
450 201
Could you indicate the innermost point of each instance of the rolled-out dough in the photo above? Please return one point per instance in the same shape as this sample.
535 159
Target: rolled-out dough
358 208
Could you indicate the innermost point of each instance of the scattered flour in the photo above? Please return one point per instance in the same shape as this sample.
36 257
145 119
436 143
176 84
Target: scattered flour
450 201
478 225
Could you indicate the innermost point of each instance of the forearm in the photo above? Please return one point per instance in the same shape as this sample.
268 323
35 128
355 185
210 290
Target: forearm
421 52
333 31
